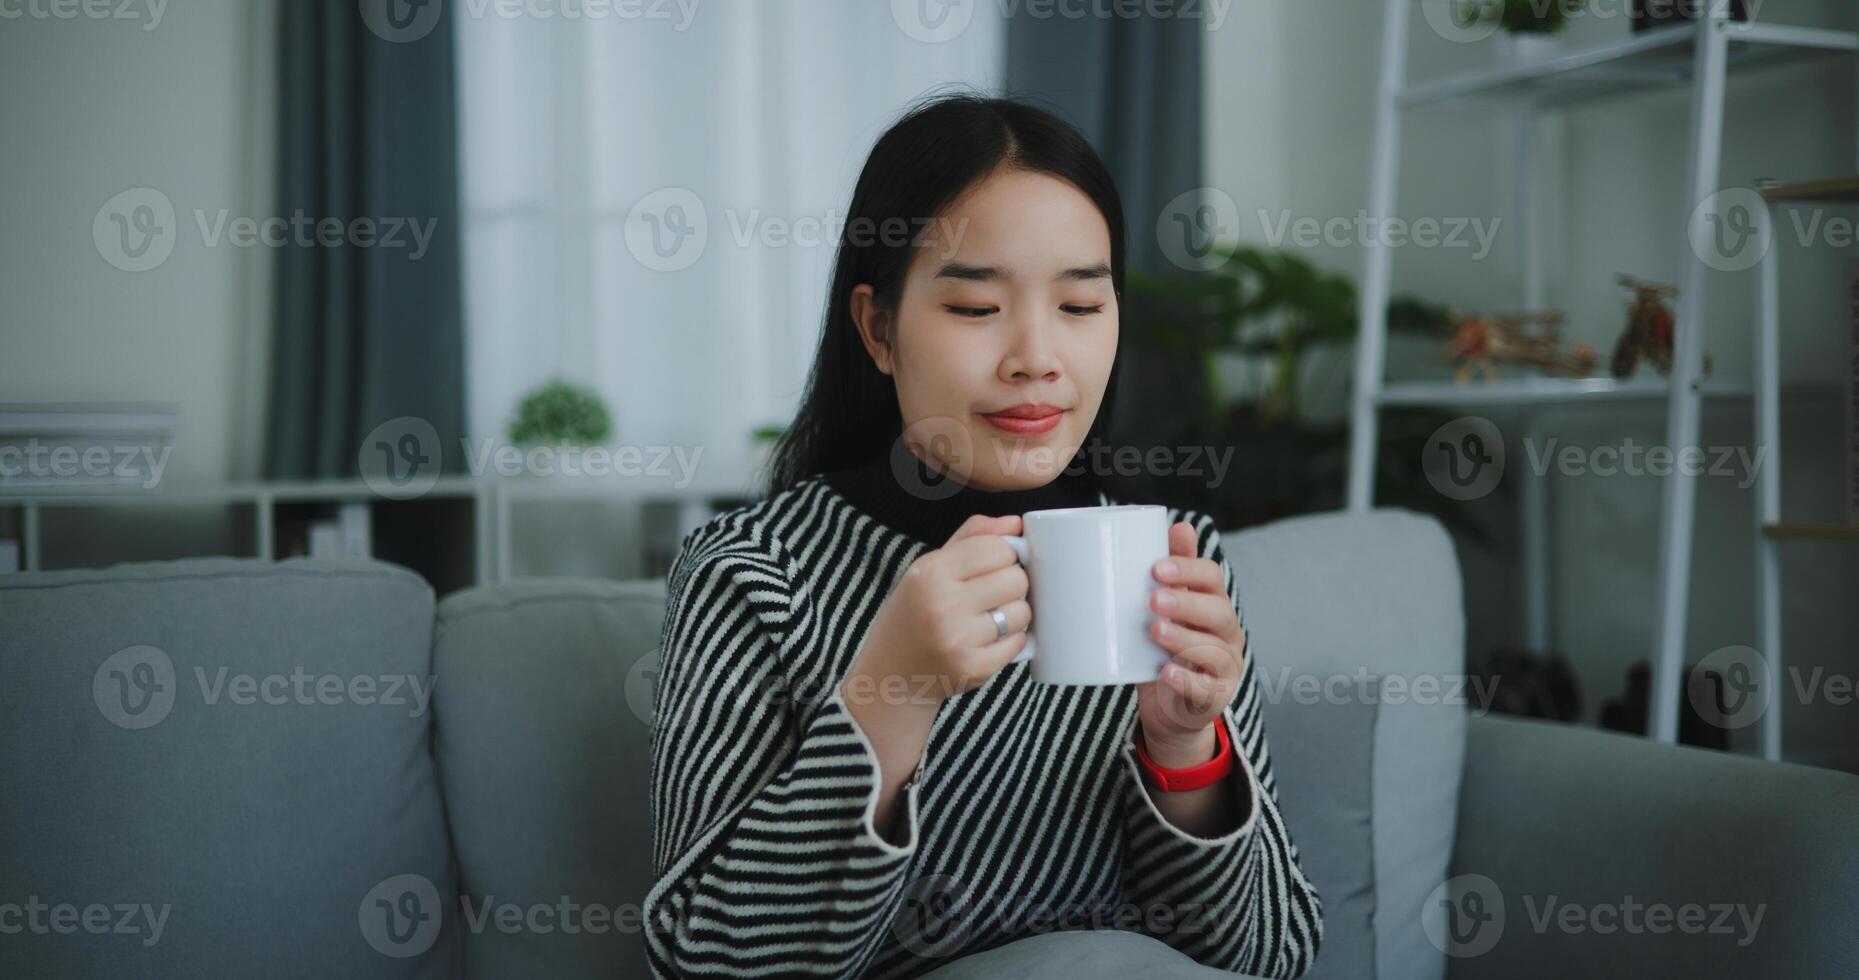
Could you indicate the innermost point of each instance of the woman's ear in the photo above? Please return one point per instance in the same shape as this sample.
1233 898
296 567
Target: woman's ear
874 325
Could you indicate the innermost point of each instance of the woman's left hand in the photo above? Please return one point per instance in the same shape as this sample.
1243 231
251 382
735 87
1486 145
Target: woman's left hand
1198 627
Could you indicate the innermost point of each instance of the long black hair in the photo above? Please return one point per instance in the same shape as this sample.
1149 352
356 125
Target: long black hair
934 152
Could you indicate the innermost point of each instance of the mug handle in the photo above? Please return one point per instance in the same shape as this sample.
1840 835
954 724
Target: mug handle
1025 555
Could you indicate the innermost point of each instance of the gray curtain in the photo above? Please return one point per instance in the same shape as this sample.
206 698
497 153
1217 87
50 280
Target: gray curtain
1132 85
368 329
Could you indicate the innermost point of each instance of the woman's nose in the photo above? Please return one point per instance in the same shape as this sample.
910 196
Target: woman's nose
1030 354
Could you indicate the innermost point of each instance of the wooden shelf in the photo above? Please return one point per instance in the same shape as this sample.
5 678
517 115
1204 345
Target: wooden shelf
1808 531
1833 190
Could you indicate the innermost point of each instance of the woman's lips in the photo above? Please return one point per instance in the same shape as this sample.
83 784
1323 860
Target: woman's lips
1025 427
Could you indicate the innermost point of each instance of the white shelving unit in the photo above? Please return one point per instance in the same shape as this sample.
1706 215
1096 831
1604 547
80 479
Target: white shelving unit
1698 56
491 499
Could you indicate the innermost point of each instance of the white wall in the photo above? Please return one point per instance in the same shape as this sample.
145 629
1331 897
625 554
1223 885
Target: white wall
95 107
1290 91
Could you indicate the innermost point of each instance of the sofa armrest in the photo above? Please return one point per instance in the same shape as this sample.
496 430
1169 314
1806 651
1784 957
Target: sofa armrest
1613 855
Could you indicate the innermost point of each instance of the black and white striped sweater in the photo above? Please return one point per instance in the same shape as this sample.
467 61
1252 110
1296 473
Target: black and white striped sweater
1028 814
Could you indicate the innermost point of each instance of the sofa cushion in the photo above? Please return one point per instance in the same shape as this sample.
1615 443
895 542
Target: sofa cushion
544 745
1350 596
221 767
1322 746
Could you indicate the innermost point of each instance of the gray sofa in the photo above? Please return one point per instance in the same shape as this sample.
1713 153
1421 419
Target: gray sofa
223 767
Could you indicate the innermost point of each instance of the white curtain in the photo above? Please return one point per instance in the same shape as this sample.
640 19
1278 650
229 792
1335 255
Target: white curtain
751 119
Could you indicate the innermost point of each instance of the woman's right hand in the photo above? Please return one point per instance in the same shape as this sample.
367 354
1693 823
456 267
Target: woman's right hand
934 629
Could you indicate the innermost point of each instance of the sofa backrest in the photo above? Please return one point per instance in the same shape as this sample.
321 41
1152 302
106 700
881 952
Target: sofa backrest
1346 597
545 699
544 711
221 767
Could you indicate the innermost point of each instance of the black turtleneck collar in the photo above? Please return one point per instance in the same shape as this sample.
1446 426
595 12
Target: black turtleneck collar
928 507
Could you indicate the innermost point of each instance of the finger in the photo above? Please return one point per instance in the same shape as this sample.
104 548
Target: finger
1200 610
1199 574
1001 652
1018 615
983 524
1200 693
1176 638
1210 659
975 556
995 588
1182 541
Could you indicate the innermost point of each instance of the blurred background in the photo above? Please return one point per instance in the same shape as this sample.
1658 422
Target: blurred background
300 278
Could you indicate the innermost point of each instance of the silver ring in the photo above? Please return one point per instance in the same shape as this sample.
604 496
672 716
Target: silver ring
1000 623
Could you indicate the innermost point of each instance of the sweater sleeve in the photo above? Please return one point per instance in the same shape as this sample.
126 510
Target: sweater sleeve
1238 902
764 851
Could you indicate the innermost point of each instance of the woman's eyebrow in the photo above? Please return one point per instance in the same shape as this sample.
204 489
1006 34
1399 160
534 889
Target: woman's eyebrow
989 273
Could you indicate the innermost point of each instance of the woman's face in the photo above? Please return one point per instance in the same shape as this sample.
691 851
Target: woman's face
1004 334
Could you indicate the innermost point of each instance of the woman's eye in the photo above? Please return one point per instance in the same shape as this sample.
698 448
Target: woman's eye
1083 310
973 311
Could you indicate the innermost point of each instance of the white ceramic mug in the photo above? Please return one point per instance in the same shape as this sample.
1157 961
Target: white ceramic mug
1090 572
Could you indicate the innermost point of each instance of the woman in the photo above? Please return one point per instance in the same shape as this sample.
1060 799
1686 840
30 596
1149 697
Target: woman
851 776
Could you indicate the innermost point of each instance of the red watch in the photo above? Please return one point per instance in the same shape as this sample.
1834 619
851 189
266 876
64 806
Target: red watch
1193 777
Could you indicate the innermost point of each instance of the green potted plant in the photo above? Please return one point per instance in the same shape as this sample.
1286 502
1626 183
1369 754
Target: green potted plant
1530 26
560 413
